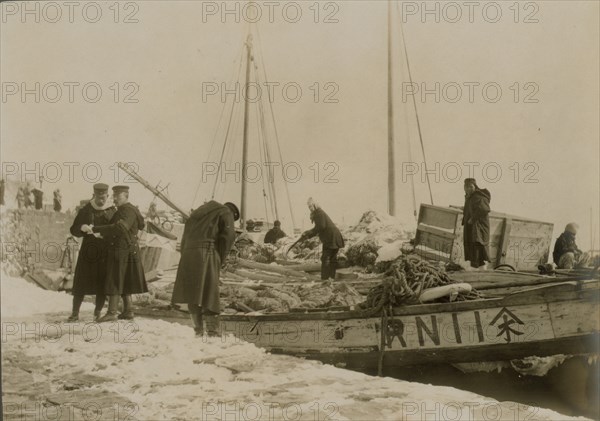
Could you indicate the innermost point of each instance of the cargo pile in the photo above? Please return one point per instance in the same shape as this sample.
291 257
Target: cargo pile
275 292
411 280
372 233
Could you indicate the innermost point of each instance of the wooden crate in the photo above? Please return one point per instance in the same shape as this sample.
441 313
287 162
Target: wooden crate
520 242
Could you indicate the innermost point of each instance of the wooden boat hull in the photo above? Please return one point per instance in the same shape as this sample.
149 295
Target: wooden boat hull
547 320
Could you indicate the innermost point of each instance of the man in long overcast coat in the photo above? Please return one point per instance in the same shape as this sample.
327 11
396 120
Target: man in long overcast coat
207 238
476 223
124 271
90 270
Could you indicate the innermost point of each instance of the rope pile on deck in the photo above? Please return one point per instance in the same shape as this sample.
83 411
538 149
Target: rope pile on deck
406 279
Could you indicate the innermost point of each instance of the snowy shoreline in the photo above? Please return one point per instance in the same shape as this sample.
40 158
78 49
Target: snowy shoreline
153 369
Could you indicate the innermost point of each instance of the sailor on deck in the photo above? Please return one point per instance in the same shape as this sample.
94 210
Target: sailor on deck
566 254
274 233
476 221
330 236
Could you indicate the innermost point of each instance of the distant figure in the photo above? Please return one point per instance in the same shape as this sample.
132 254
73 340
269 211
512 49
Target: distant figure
207 238
27 194
1 192
476 221
274 233
566 254
330 237
90 271
21 198
38 198
57 200
124 270
152 212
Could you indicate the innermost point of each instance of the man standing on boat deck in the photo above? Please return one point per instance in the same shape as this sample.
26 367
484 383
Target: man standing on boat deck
566 254
274 233
207 238
90 270
330 236
476 223
124 271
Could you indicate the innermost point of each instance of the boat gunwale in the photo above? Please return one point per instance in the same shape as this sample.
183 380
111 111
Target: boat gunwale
563 291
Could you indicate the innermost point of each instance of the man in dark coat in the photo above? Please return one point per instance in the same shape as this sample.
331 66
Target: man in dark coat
38 198
274 233
124 271
476 223
330 237
207 238
90 270
566 254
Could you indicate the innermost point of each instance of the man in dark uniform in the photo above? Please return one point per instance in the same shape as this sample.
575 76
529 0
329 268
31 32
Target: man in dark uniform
476 221
330 236
124 271
90 270
207 238
274 233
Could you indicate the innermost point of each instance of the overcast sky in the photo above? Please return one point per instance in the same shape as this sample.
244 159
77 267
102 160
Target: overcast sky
154 64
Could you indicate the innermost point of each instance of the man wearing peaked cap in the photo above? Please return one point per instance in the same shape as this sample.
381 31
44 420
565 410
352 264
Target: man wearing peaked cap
120 189
100 188
124 271
90 270
207 238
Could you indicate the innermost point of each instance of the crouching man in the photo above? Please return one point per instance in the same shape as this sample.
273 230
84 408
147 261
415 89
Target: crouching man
566 254
207 238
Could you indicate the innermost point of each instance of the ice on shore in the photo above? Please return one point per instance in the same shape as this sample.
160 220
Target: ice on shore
170 374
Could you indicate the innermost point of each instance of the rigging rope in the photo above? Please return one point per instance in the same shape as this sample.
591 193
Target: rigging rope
287 191
267 152
231 117
415 107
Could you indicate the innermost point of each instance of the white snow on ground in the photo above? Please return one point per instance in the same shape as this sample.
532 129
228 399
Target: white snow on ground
21 298
170 374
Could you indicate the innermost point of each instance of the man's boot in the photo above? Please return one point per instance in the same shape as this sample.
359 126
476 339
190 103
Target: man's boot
113 310
100 299
127 311
213 325
77 300
197 320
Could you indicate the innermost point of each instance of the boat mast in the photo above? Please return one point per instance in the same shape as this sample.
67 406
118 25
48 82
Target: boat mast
391 159
129 170
245 138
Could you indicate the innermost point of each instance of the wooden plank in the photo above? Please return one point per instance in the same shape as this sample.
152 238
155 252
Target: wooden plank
432 241
432 256
274 269
566 319
498 325
367 358
503 241
437 216
436 231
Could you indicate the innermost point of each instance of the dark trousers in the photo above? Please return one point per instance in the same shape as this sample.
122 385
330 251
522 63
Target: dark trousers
328 263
